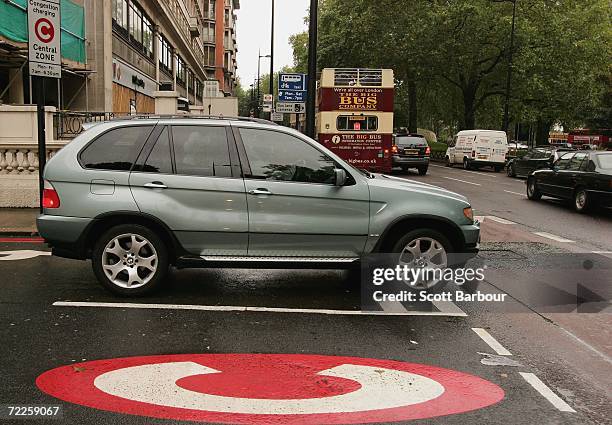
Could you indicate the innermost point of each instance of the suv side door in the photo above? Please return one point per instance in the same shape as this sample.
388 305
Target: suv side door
295 209
190 180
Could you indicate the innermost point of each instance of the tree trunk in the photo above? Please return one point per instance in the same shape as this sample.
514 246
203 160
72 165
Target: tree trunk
542 132
469 107
412 106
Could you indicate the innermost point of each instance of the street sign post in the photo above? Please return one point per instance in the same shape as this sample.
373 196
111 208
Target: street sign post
292 94
45 61
291 107
268 103
278 116
44 38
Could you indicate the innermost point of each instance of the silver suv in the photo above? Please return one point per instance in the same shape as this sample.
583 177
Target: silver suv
137 196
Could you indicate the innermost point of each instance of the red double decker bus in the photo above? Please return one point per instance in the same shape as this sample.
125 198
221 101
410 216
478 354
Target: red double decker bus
355 118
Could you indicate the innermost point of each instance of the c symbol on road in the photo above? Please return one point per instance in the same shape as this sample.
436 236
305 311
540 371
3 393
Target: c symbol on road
269 388
44 29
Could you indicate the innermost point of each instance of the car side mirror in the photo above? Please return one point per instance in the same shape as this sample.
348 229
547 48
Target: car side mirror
340 175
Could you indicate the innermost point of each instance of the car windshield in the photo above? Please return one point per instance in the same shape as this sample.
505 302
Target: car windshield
605 160
410 140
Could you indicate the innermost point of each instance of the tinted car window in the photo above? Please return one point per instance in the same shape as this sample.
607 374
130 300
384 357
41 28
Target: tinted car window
277 156
201 151
116 149
605 160
576 161
563 162
159 160
410 141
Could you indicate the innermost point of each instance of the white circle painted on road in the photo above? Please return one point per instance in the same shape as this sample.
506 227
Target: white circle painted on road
265 388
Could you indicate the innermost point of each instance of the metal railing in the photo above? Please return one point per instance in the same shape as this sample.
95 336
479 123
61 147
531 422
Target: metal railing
69 124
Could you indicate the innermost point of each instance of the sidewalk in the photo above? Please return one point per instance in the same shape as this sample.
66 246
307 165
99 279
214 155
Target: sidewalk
18 221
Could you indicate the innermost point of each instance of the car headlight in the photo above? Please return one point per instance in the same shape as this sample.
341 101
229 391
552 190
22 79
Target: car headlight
469 213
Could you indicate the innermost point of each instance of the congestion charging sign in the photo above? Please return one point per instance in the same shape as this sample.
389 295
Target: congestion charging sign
44 38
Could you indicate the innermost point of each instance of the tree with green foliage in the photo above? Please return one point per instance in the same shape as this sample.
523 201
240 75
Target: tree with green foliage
451 58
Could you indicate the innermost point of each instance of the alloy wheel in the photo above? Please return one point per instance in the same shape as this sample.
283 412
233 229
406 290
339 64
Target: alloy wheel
427 254
129 261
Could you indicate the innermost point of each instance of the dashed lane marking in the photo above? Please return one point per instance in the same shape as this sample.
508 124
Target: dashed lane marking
500 220
553 237
220 308
546 392
462 181
515 193
491 342
465 171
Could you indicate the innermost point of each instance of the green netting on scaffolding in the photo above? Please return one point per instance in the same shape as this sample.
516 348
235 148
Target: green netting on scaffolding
14 26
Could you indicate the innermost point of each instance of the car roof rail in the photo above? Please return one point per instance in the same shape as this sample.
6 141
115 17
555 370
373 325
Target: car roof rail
188 117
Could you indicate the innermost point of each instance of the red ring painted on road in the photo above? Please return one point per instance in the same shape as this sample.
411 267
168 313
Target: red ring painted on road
258 382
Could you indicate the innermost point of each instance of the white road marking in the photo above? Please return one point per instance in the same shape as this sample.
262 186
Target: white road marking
465 171
449 308
380 389
602 252
553 237
21 254
546 392
491 342
499 220
462 181
220 308
515 193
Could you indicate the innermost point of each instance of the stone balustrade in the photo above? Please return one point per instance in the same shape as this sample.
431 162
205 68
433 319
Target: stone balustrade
19 172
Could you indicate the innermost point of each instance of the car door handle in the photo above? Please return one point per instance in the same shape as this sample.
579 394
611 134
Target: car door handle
260 192
155 185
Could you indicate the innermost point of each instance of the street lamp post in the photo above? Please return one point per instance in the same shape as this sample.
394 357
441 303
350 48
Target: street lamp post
506 124
272 55
258 81
312 68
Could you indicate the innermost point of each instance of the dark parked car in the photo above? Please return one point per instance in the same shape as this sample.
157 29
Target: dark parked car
411 151
584 177
533 159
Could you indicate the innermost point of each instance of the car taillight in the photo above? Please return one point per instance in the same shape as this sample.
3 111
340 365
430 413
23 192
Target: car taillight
473 154
394 149
428 150
50 197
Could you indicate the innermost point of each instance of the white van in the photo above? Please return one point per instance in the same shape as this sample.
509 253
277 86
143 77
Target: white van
478 148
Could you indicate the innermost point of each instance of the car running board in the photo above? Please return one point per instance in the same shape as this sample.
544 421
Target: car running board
265 262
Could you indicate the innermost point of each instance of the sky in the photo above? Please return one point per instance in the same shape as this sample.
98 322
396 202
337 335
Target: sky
253 33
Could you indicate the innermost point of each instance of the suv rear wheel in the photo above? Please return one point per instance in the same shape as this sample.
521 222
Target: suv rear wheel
130 260
424 248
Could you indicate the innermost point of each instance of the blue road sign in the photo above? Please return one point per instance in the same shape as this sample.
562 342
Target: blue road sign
292 96
292 82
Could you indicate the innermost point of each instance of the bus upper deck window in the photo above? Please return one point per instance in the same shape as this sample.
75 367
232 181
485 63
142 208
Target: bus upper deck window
357 123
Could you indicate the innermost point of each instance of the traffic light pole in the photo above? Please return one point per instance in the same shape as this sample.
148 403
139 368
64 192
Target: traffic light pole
312 69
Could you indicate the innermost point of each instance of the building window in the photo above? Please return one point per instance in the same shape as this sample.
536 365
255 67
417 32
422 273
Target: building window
199 88
120 14
130 21
191 82
165 54
208 35
209 8
209 56
181 71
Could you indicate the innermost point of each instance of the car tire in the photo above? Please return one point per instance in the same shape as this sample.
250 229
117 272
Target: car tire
423 171
466 164
582 200
533 193
448 162
428 236
510 171
131 279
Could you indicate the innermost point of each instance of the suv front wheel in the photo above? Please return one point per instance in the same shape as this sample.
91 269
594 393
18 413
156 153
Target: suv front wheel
427 249
130 260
